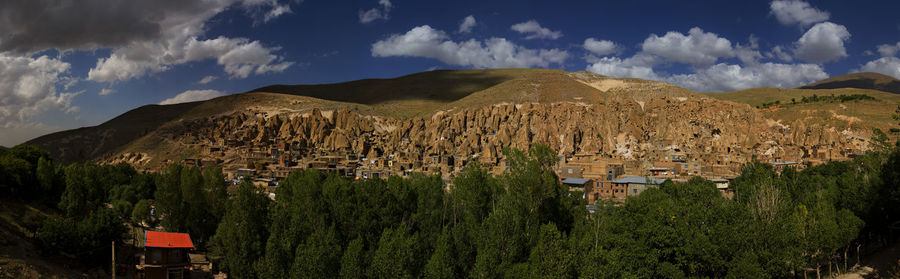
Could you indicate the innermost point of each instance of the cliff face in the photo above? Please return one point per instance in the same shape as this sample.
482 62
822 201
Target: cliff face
621 128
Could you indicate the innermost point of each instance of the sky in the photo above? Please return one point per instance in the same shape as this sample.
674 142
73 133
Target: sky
66 64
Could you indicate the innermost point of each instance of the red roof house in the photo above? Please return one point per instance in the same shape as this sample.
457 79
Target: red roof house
167 240
165 255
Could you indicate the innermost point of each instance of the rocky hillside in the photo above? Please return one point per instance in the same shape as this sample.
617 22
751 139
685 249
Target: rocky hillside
474 114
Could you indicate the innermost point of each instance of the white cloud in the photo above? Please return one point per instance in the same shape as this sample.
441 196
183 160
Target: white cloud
424 41
178 43
638 66
239 56
748 54
823 42
467 24
600 47
192 96
106 91
697 48
790 12
780 53
207 79
724 77
702 50
376 13
885 65
888 50
535 31
28 87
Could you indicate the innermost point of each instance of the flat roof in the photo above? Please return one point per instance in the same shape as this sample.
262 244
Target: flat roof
784 163
579 181
639 180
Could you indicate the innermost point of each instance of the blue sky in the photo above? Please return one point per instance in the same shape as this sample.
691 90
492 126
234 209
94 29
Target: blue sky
80 65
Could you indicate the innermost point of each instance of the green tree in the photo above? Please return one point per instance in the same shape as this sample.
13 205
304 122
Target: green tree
318 257
353 260
441 264
140 214
396 255
551 258
240 239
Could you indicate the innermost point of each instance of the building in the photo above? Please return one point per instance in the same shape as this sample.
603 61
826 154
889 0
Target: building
165 256
781 165
608 190
661 171
570 171
635 185
584 185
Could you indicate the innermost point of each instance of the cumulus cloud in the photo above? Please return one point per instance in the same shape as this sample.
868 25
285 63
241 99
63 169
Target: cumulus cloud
192 96
823 42
146 35
88 24
600 47
888 50
106 91
427 42
697 48
782 54
790 12
373 14
467 24
29 87
885 65
535 31
207 79
239 56
703 50
724 77
638 66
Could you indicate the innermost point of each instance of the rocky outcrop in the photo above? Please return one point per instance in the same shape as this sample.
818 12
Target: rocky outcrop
622 128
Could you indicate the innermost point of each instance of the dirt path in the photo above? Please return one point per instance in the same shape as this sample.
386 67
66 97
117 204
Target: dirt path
877 265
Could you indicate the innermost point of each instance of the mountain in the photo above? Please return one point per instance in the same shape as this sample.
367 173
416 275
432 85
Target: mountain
866 80
420 121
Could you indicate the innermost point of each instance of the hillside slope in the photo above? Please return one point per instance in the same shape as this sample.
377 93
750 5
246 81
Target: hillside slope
866 80
474 113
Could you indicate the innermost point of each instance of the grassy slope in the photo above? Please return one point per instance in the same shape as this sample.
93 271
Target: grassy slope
89 142
417 94
870 113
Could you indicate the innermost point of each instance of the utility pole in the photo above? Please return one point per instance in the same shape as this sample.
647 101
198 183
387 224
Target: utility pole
112 271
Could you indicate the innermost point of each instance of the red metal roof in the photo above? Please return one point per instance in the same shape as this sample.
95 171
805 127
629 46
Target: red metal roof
167 240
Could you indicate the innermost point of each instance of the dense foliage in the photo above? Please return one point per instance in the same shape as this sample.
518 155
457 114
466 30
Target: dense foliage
96 202
842 98
520 224
524 224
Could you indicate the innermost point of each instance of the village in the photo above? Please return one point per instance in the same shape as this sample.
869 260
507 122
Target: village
599 176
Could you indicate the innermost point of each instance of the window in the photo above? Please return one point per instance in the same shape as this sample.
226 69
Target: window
634 191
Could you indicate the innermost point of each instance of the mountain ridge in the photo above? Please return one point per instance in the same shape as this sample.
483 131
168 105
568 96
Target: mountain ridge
864 80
